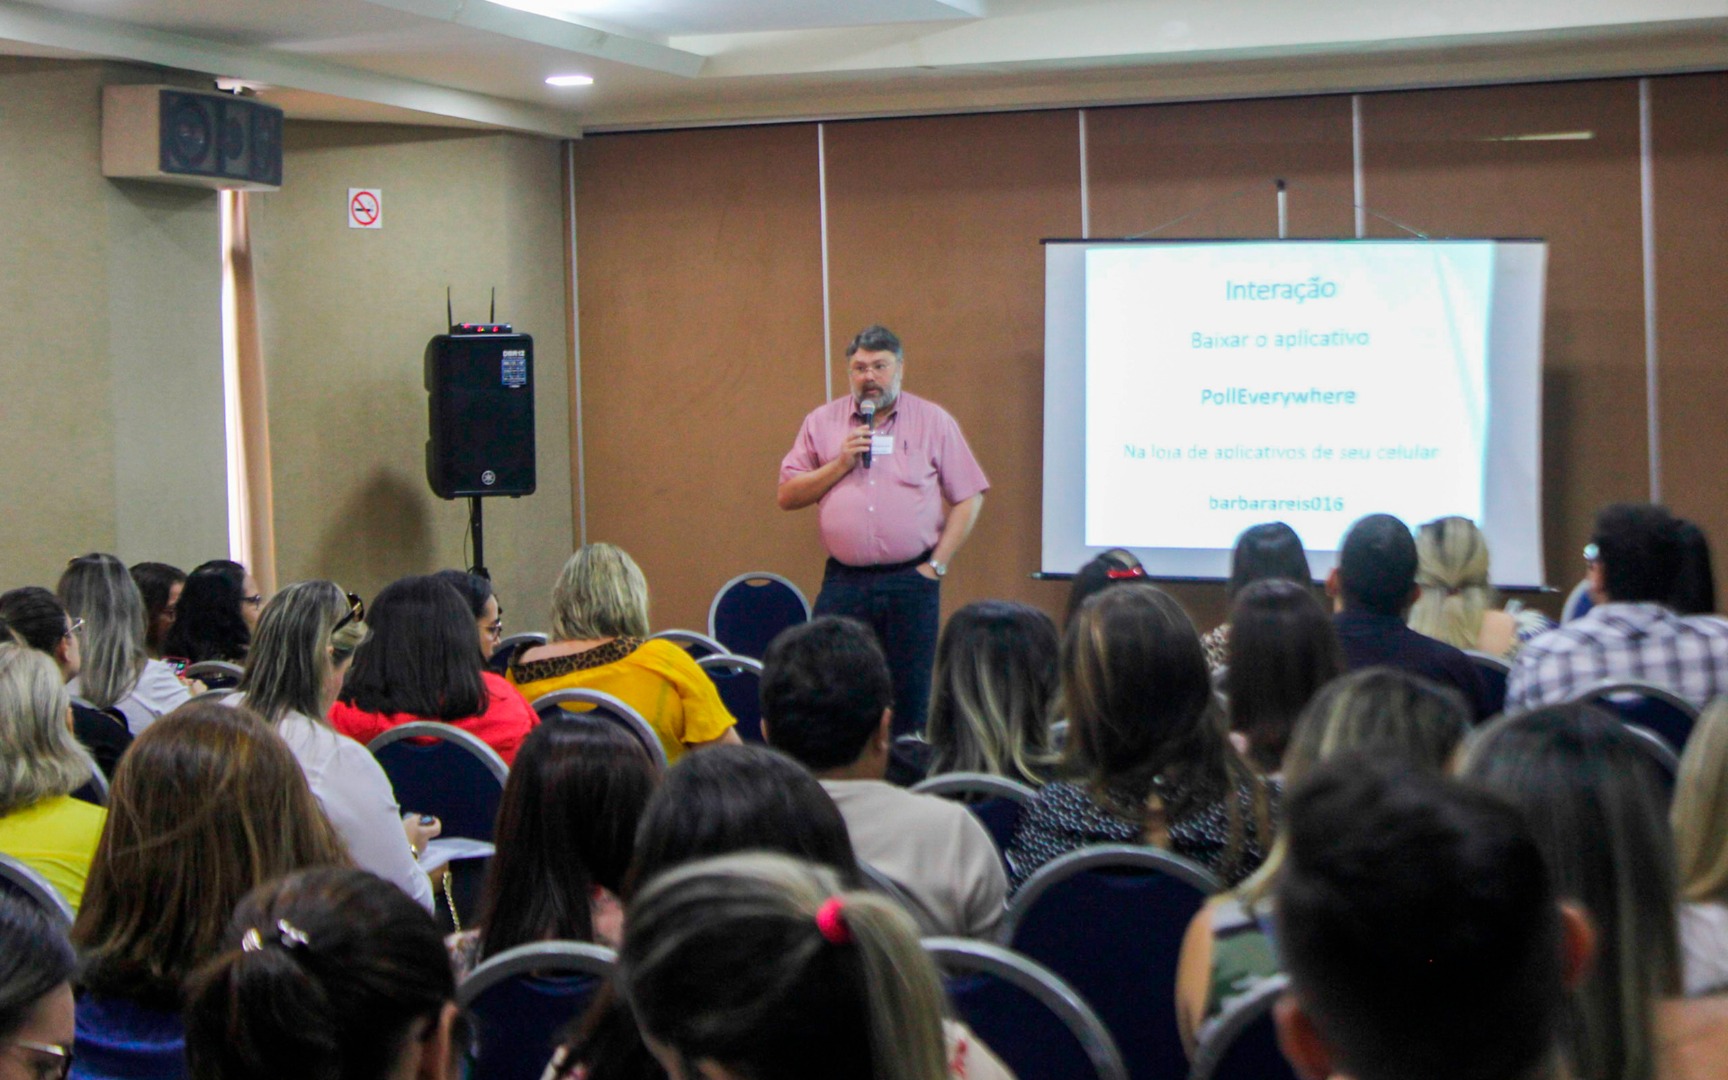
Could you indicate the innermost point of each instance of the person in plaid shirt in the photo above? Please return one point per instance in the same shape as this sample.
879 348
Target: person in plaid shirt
1631 633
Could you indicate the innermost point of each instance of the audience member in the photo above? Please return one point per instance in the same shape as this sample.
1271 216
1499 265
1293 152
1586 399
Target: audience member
1283 650
41 765
827 700
1100 572
1633 561
1421 931
160 585
1268 552
566 833
1694 591
117 673
420 663
1456 604
761 966
1382 713
482 603
1700 818
1148 758
208 805
1591 797
995 682
305 640
39 621
599 642
736 799
1372 587
36 1008
724 801
329 974
217 613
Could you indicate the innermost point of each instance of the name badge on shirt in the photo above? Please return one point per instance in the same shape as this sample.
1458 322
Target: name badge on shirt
881 445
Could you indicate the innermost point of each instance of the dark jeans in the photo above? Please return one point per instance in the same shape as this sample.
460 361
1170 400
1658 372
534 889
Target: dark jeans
905 609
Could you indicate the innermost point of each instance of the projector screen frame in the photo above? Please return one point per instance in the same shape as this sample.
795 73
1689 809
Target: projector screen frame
1070 318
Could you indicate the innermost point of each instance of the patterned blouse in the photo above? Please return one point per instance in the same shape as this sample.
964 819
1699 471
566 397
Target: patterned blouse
1064 817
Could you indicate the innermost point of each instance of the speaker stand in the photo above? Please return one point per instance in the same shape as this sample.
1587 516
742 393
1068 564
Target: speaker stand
477 529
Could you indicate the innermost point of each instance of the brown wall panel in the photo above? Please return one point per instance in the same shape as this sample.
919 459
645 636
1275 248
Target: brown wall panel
1459 163
1690 127
700 283
934 229
1218 161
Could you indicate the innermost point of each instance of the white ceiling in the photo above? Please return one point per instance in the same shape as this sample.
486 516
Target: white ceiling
675 62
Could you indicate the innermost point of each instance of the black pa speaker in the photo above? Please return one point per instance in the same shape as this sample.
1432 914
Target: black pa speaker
221 135
480 408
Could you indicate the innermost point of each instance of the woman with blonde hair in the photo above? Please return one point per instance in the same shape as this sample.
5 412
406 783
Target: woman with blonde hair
761 966
1591 797
1457 604
207 805
600 642
1700 817
118 672
994 684
306 638
1389 714
41 764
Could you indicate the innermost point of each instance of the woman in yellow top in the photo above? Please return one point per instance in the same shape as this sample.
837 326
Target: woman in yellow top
599 632
41 764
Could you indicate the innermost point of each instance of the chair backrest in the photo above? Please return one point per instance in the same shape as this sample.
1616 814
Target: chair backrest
739 682
610 708
696 644
1661 710
1110 920
1494 670
751 609
215 674
1578 601
522 998
442 770
94 790
996 801
1025 1013
1242 1043
22 881
500 658
1661 755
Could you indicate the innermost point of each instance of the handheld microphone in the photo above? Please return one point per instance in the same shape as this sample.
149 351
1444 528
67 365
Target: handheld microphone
868 408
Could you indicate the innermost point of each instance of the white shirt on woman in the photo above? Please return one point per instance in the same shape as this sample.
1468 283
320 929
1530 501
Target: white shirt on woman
157 691
357 798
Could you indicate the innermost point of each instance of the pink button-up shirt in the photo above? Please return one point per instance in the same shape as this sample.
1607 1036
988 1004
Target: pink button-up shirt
892 511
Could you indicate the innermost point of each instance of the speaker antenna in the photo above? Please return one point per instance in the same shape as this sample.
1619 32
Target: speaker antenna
493 318
449 308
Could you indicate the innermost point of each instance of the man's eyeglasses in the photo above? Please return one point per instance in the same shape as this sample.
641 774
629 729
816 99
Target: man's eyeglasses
255 600
74 627
356 612
1592 553
55 1063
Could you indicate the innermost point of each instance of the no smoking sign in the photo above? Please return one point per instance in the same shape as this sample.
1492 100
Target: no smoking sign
365 208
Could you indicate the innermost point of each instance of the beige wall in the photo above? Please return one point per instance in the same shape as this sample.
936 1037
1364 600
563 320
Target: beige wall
110 377
346 314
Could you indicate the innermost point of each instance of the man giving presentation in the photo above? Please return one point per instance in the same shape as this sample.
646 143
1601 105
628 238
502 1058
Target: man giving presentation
898 492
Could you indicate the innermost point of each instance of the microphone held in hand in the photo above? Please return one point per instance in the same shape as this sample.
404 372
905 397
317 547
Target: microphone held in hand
868 408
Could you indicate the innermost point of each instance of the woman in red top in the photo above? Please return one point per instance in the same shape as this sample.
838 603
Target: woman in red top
422 663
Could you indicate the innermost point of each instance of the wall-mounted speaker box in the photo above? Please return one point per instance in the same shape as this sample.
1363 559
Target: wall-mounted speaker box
177 136
480 412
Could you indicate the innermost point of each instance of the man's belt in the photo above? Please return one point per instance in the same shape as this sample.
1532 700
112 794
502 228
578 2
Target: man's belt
881 568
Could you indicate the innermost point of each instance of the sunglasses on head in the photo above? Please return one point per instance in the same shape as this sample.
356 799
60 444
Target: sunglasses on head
356 612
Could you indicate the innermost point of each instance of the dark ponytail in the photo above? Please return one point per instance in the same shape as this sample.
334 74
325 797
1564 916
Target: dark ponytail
325 976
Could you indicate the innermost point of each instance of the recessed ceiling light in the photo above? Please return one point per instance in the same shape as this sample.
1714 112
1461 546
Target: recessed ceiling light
570 80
